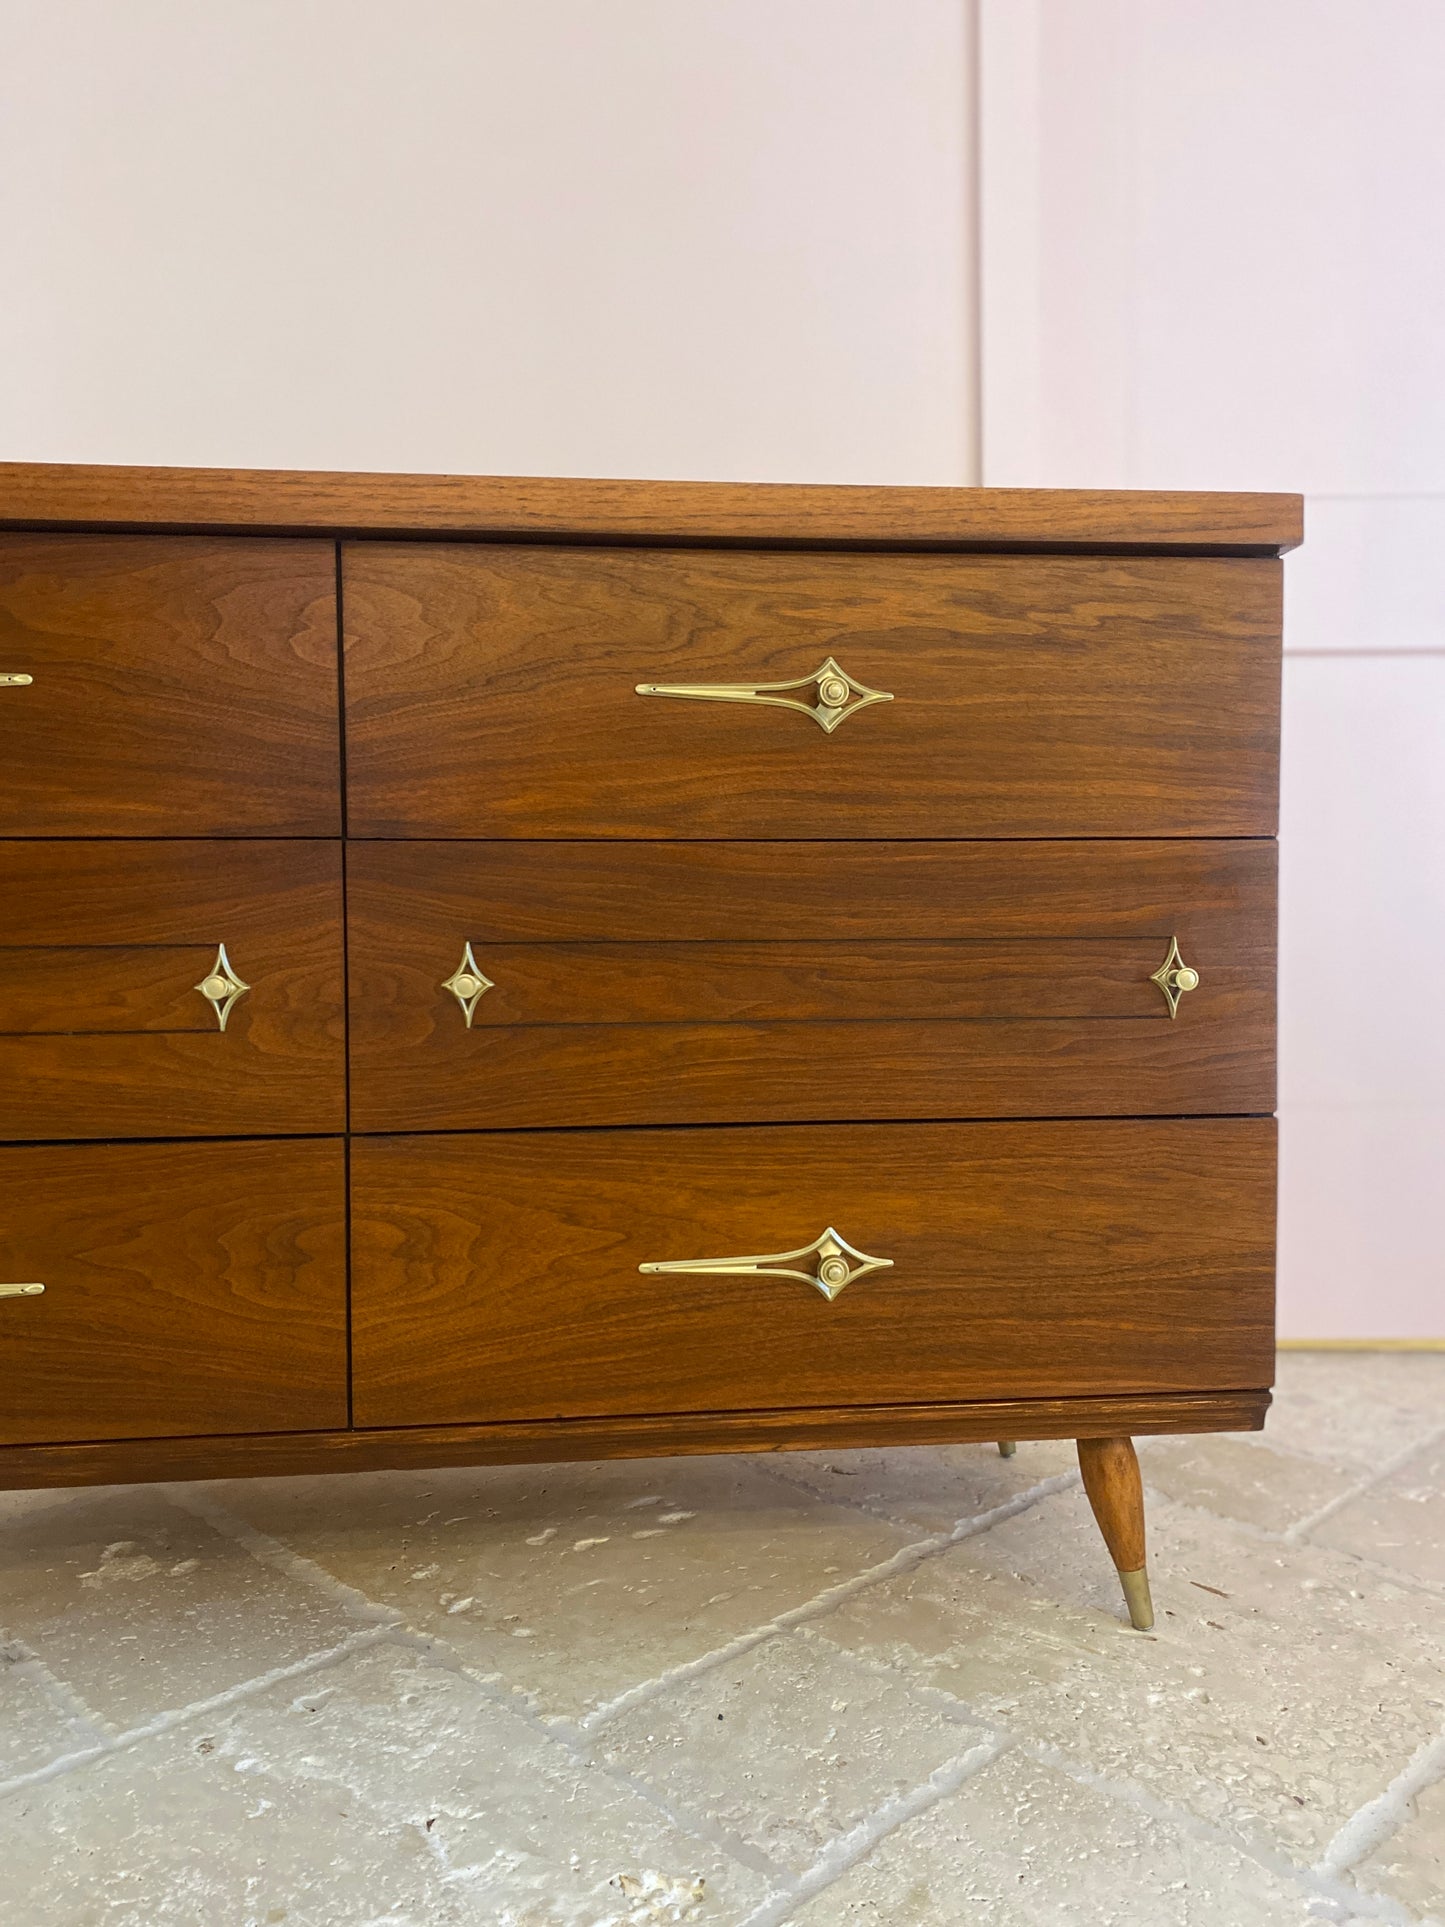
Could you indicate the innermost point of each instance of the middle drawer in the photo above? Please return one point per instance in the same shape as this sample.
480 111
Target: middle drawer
171 988
504 984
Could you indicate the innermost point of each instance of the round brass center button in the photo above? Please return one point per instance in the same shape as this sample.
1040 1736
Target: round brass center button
1186 979
833 1271
466 986
215 988
833 692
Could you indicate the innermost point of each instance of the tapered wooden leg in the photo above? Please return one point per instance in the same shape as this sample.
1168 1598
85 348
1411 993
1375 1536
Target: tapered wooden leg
1111 1479
1007 1448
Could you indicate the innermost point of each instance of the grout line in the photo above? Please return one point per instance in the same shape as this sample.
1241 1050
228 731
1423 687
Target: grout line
1053 1482
1273 1860
699 1825
1267 1536
271 1552
845 1850
689 1669
906 1559
1373 1824
434 1650
21 1661
217 1702
1294 1534
1407 1582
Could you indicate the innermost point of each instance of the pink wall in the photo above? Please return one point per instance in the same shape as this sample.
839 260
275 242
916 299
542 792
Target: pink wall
714 238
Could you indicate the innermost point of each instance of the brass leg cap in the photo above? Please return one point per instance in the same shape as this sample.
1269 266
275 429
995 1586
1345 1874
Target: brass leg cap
1136 1598
1007 1448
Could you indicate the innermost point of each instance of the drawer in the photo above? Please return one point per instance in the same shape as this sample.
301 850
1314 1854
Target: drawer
533 1275
494 691
675 983
119 962
188 1288
174 686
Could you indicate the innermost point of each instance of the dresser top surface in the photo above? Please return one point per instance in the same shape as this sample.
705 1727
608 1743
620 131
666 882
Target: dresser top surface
293 502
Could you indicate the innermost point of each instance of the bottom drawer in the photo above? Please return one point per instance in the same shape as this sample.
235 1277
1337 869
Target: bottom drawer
188 1288
550 1275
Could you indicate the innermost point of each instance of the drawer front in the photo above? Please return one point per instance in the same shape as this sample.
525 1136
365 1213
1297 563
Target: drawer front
118 963
494 691
650 983
172 686
530 1275
188 1288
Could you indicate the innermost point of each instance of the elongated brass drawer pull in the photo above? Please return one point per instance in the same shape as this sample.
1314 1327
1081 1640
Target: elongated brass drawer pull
835 695
467 984
11 680
1174 977
838 1264
21 1291
221 987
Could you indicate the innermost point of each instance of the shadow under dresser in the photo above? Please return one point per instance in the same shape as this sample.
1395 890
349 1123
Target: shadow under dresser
520 969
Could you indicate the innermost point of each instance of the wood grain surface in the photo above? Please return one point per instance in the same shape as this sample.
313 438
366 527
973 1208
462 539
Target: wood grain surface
188 1288
182 686
495 1277
493 692
65 989
286 1454
486 505
880 980
136 1051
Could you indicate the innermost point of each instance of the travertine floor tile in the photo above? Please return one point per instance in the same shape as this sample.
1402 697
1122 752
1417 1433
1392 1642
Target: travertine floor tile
1241 1480
932 1488
1019 1845
1354 1409
1410 1867
1282 1691
36 1727
789 1745
140 1608
381 1789
1400 1522
575 1582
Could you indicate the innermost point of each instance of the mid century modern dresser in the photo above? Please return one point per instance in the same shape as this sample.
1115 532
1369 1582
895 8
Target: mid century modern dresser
501 970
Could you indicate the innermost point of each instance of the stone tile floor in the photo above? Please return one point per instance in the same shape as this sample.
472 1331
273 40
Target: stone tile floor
843 1688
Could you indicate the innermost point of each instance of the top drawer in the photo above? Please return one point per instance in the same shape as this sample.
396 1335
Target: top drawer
172 686
495 691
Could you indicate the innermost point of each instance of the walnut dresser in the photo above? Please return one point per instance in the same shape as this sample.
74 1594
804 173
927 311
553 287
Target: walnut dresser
499 970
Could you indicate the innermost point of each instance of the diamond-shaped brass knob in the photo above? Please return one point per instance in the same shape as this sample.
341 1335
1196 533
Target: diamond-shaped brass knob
467 984
221 987
1174 977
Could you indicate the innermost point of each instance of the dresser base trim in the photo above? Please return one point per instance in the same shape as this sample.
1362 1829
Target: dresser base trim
286 1454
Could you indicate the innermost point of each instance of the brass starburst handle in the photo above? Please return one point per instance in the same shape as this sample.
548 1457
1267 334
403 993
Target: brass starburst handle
830 695
221 987
468 984
1174 977
837 1264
